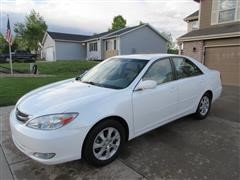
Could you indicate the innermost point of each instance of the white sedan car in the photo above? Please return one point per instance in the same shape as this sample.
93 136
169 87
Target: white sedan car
92 116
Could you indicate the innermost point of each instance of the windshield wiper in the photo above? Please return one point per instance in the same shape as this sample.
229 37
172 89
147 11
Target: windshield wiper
90 82
101 85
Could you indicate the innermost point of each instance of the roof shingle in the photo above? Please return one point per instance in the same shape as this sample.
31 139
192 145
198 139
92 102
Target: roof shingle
192 16
123 30
70 37
213 30
78 37
112 33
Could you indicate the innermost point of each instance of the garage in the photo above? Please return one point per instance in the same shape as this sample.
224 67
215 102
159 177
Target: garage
217 46
62 46
69 51
225 59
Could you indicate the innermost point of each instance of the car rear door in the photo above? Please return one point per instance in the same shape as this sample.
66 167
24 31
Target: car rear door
190 82
153 107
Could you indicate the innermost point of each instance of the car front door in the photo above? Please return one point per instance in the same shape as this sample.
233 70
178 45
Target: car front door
190 84
153 107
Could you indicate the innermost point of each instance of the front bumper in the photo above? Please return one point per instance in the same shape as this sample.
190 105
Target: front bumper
65 142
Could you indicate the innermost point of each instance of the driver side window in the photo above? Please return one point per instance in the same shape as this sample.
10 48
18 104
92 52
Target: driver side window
160 71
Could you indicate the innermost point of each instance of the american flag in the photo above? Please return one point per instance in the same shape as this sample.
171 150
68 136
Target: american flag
8 36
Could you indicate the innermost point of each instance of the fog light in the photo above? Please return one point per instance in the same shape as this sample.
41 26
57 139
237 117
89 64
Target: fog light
44 155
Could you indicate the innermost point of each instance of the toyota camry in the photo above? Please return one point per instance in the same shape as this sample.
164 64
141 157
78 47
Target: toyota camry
93 115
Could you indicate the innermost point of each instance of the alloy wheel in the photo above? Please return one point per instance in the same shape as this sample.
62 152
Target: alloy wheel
204 105
106 143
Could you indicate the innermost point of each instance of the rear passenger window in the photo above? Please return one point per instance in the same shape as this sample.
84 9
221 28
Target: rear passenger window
185 68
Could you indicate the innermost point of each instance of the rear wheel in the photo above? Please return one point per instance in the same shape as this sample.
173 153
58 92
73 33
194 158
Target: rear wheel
104 142
204 106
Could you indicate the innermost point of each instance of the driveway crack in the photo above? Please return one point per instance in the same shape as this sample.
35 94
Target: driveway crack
144 177
7 162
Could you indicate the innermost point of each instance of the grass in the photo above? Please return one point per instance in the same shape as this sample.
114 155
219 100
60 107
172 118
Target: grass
12 88
58 68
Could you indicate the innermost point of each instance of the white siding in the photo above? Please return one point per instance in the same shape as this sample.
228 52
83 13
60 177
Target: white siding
94 55
49 45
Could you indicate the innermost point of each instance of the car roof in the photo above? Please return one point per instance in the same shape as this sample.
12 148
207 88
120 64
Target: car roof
150 57
154 57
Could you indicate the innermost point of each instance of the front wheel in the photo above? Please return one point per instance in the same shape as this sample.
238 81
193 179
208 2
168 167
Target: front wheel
104 142
204 106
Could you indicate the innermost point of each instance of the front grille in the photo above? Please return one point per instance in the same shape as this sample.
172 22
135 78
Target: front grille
21 116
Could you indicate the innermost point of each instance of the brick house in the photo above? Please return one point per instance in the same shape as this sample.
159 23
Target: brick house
213 37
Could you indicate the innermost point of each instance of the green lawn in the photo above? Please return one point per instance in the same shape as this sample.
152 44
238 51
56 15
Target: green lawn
12 88
59 68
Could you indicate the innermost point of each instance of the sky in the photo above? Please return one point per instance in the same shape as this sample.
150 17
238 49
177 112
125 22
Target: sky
95 16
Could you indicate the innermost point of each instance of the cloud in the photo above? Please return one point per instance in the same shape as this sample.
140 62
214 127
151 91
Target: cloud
92 16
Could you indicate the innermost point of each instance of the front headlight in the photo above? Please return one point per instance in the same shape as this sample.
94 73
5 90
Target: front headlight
52 121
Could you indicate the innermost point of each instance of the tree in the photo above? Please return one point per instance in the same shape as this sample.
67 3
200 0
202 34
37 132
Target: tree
118 22
171 45
31 32
4 45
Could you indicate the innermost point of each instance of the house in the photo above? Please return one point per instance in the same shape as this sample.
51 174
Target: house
130 40
192 21
62 46
213 37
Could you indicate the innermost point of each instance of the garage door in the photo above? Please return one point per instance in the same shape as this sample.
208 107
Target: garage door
49 54
227 61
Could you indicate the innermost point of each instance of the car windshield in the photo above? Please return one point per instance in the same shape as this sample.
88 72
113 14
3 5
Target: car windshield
115 73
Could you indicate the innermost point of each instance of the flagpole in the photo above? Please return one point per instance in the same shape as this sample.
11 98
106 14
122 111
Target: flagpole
10 57
9 40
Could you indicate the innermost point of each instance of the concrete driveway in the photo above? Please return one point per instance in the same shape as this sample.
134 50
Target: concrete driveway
184 149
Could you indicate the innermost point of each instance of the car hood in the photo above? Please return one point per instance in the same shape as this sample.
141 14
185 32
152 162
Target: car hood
63 96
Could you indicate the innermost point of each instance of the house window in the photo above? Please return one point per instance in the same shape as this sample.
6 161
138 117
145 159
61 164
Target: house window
195 25
115 44
93 46
106 45
227 10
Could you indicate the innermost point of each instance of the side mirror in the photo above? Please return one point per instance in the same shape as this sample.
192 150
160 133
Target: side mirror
79 77
147 84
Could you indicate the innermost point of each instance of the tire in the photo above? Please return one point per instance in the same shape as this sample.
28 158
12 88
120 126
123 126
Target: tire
98 155
204 106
